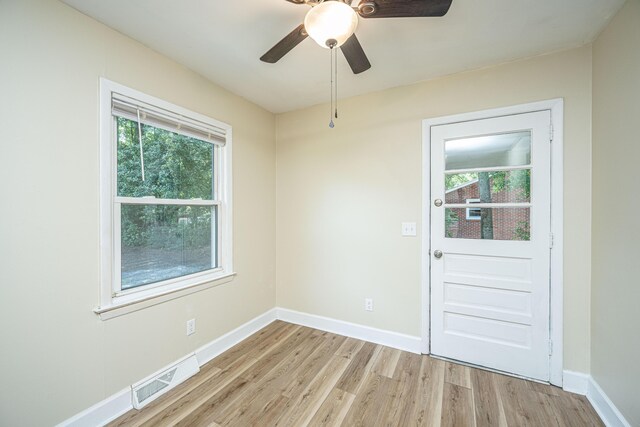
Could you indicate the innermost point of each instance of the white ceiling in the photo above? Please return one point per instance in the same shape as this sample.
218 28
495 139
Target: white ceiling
222 40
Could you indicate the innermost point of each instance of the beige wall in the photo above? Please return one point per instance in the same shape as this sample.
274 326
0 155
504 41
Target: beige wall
341 196
615 314
342 193
57 358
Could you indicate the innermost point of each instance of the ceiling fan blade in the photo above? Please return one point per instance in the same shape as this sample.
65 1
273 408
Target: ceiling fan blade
356 57
281 48
402 8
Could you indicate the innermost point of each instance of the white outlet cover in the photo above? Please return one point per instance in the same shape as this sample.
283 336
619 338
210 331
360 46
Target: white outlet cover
409 229
368 304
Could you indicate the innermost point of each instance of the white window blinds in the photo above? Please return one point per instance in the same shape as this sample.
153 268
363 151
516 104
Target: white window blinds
132 109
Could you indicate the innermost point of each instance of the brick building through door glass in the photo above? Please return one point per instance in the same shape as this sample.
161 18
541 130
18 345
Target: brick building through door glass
507 223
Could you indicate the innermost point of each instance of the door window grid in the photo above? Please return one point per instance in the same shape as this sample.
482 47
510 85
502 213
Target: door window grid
494 173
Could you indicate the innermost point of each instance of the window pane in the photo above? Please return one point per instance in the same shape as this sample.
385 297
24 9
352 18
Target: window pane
489 187
508 149
493 224
161 242
175 166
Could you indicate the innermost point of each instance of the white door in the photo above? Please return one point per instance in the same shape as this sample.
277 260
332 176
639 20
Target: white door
490 240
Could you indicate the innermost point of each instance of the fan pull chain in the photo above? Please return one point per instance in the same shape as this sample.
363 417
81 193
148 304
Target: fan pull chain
331 125
335 64
333 108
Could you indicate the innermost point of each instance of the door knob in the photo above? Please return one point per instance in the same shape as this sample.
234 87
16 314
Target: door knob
437 202
437 253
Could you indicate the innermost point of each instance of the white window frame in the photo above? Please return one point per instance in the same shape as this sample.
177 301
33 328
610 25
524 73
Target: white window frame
468 210
114 301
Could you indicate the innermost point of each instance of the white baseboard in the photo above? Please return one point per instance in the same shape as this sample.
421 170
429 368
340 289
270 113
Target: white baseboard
114 406
608 412
103 412
575 382
378 336
579 383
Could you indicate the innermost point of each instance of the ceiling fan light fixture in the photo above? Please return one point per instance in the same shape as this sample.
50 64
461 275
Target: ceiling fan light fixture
331 23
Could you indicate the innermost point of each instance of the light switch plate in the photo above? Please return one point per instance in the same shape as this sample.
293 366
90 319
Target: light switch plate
191 327
409 229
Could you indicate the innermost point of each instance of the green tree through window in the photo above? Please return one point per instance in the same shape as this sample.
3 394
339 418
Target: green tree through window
163 241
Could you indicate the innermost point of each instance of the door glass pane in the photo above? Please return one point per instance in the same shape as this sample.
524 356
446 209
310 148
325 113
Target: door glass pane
488 187
507 149
488 223
161 242
175 166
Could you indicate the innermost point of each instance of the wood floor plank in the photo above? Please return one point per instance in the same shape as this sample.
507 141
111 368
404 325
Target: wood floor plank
402 414
574 410
486 399
395 402
268 414
407 362
350 348
270 359
300 378
290 375
543 403
333 409
301 410
427 410
457 406
404 397
588 413
369 402
516 396
257 343
457 374
287 361
386 362
208 411
266 388
303 359
357 369
264 409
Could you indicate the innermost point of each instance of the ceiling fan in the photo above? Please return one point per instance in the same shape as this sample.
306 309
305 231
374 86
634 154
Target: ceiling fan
332 23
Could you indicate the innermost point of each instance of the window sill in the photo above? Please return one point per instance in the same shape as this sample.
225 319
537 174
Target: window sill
118 309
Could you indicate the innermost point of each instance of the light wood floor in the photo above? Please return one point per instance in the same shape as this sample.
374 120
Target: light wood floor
289 375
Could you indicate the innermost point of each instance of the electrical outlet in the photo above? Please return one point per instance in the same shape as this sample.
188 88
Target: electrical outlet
368 304
191 327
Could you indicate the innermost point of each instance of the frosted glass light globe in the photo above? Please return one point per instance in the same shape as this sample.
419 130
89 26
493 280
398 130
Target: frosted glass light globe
331 20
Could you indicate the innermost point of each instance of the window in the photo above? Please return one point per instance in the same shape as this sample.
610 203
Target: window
165 198
473 214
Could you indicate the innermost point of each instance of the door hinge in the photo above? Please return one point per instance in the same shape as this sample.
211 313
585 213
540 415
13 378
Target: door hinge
550 132
550 240
550 347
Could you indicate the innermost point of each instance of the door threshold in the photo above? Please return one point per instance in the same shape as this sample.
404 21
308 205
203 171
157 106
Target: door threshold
485 368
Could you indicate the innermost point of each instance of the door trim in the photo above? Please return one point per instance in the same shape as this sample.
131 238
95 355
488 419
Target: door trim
556 107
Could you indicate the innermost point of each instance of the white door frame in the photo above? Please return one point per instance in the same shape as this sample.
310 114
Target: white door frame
556 106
